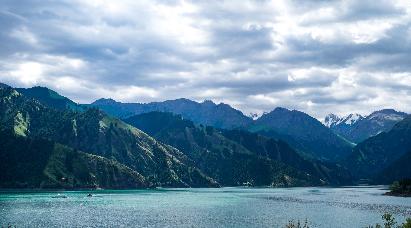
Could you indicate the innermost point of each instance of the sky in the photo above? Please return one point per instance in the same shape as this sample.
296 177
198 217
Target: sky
315 56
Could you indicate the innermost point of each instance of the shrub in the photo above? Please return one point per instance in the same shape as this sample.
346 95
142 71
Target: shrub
402 186
389 222
297 224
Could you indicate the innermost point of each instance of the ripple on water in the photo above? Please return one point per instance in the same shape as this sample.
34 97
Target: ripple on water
225 207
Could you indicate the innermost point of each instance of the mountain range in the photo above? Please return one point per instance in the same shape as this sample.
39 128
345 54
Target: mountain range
298 129
236 156
207 113
49 141
96 133
357 128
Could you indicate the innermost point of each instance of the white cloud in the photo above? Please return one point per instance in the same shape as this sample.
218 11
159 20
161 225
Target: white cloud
131 93
29 73
316 56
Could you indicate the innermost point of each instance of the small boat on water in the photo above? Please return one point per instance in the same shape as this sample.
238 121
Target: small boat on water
59 196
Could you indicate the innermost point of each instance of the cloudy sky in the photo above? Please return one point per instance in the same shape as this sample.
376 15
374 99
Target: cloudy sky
316 56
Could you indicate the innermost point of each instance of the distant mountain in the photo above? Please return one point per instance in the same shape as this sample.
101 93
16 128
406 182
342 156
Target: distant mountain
40 163
303 133
49 98
373 155
223 116
234 157
206 113
356 128
94 132
333 120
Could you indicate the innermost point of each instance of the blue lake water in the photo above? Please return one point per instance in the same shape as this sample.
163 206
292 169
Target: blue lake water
224 207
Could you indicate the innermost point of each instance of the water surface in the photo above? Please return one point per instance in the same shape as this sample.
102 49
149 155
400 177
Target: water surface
224 207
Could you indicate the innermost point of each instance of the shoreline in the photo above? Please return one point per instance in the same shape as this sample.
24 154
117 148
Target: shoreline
397 194
27 190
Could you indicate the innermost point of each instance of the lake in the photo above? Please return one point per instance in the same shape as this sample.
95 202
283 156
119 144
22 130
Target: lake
223 207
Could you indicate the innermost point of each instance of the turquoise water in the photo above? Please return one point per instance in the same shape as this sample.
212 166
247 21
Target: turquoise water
224 207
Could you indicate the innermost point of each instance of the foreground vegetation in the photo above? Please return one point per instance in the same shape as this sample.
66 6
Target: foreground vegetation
388 222
297 224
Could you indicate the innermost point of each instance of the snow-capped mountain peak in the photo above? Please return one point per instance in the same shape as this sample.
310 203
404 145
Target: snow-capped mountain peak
351 119
254 116
357 128
331 120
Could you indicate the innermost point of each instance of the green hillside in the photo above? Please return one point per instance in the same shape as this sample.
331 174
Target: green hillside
235 157
96 133
40 163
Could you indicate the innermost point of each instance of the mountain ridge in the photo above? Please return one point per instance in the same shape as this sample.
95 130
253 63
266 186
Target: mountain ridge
46 164
41 112
101 135
303 132
210 147
363 127
225 117
207 112
50 98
